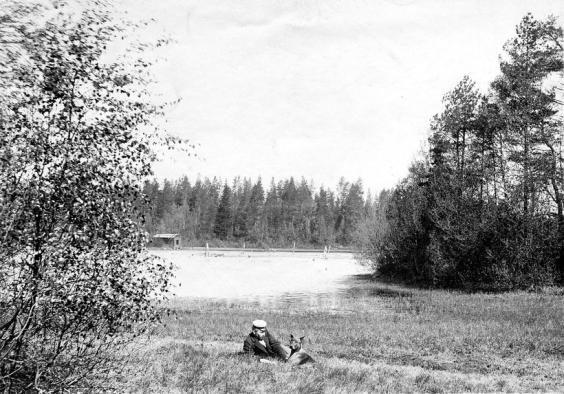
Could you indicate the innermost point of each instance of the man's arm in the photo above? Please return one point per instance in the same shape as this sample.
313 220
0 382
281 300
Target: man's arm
248 345
276 346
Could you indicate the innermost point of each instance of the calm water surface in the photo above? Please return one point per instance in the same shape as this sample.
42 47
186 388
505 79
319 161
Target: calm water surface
264 277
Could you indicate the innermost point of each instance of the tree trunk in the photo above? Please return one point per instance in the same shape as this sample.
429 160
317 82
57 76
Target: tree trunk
463 149
559 211
482 174
560 218
502 167
526 190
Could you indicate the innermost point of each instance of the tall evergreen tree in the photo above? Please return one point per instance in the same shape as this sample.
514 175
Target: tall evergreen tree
289 200
323 219
273 211
340 218
223 219
529 109
210 206
305 211
240 209
255 211
353 209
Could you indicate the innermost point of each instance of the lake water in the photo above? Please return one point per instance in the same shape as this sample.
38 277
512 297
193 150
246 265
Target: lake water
264 277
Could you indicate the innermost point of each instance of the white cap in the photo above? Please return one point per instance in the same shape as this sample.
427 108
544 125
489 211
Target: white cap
259 324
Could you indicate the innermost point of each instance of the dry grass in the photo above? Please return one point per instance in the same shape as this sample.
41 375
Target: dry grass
377 338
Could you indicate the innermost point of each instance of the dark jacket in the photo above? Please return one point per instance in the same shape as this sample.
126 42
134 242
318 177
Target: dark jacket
272 348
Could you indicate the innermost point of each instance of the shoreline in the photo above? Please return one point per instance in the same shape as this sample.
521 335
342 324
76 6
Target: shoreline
254 250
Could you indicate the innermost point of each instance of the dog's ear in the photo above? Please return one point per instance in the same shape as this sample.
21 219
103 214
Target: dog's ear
302 338
291 336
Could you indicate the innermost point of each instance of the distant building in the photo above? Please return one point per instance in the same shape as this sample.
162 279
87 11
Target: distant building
166 240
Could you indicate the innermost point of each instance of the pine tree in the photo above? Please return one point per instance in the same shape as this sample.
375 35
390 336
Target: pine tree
322 220
223 219
273 212
240 229
305 211
353 211
210 206
529 109
255 212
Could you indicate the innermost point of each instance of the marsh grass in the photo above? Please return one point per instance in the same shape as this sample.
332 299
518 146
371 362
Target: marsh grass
375 338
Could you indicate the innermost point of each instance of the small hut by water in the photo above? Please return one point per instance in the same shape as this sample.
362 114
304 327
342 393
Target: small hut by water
166 240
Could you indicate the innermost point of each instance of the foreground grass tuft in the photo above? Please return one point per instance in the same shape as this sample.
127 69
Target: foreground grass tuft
376 338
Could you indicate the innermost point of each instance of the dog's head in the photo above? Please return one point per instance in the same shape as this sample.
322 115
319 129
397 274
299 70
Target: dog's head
295 343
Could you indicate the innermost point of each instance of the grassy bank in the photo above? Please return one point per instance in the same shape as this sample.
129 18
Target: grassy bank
377 338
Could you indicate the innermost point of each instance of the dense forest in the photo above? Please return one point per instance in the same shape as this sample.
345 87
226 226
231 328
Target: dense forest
243 211
484 207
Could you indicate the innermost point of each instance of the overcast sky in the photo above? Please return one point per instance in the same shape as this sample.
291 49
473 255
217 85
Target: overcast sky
320 89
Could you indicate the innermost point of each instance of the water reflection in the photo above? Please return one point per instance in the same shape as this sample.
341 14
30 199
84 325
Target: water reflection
266 279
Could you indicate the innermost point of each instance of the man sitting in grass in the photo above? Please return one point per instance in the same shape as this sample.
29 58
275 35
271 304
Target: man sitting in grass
263 344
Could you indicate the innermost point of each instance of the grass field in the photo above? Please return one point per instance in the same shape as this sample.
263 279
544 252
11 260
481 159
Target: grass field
380 338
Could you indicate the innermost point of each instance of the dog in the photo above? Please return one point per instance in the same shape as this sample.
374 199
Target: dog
297 354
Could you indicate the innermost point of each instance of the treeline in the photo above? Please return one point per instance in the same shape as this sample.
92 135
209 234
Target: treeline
483 209
241 211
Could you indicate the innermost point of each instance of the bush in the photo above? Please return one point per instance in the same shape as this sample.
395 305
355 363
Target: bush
77 283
